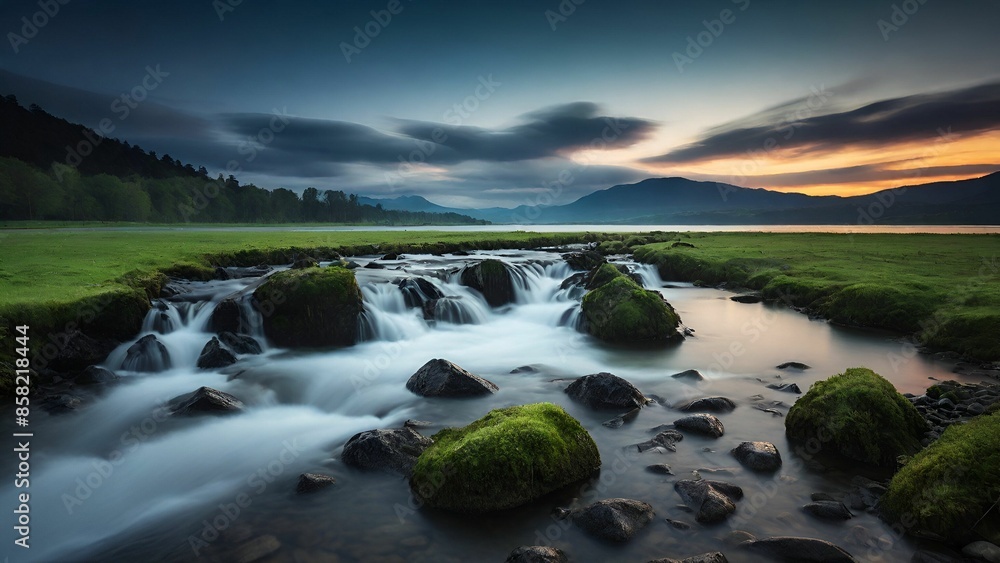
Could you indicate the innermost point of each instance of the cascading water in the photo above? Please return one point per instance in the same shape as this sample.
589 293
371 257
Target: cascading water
123 479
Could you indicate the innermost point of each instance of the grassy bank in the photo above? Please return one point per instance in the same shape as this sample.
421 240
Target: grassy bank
57 281
943 289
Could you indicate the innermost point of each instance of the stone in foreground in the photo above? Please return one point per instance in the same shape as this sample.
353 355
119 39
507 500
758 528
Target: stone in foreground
312 482
758 456
704 424
441 378
394 450
508 458
214 356
709 404
712 501
206 401
537 554
606 391
616 519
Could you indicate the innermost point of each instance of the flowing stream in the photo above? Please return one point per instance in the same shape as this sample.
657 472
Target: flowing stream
121 479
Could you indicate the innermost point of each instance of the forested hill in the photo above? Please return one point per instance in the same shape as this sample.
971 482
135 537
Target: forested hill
51 169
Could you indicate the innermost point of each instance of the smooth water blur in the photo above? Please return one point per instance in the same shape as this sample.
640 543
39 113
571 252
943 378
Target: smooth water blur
120 479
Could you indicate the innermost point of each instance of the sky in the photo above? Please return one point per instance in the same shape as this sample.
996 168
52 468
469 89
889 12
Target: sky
477 104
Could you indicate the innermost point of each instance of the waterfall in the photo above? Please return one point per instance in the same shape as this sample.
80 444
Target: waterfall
649 275
386 316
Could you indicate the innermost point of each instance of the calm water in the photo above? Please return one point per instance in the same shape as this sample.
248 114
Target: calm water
170 476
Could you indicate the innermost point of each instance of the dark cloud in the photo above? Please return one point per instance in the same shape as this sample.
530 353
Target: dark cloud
548 132
147 118
912 118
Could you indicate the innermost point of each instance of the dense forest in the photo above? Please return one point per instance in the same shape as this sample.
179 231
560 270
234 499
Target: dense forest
117 181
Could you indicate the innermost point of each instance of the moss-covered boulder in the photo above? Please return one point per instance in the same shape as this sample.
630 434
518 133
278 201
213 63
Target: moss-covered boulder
859 415
311 307
508 458
620 310
493 279
949 486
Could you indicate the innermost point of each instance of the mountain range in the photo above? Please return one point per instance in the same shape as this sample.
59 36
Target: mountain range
680 201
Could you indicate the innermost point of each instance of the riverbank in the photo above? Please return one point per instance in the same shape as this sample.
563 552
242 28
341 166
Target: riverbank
942 290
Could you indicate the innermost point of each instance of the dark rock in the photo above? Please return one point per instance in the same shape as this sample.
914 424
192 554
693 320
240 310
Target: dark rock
747 298
147 354
619 421
227 317
214 356
205 401
677 524
393 450
240 343
61 403
76 351
524 369
373 265
606 391
798 549
708 404
828 510
982 550
793 365
221 273
95 375
493 279
351 265
758 456
689 374
537 554
712 501
786 387
441 378
312 482
660 469
667 439
392 256
418 291
714 557
705 424
615 519
578 279
586 260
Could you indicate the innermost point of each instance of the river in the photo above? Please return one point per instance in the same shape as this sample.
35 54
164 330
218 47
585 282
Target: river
118 479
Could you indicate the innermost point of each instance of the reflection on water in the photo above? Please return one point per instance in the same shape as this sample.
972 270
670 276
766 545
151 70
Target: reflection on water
121 480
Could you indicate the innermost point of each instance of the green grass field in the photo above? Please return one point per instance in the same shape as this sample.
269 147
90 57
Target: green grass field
944 288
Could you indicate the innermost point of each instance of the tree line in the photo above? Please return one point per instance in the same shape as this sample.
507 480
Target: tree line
117 181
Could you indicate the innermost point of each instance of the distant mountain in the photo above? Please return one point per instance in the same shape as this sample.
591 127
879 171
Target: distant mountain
679 201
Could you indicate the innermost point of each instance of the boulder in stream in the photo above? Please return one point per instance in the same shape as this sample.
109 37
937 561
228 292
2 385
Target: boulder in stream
620 310
314 307
441 378
205 401
214 356
394 450
148 354
493 279
615 519
704 424
606 391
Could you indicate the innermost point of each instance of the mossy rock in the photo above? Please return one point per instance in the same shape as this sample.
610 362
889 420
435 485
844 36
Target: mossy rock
493 279
946 488
859 415
620 310
508 458
311 307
